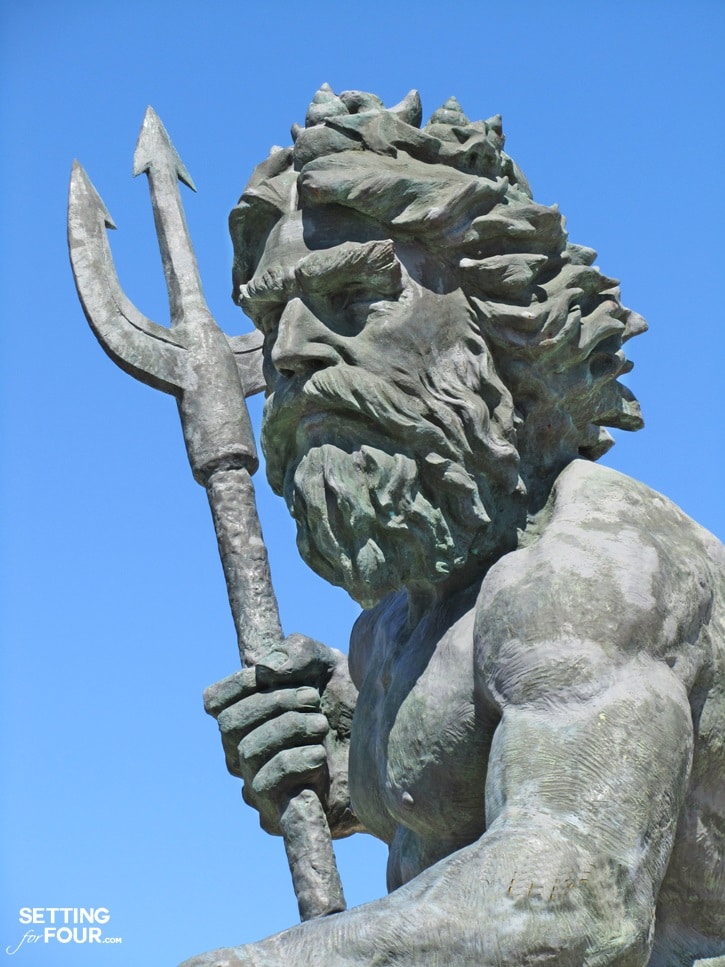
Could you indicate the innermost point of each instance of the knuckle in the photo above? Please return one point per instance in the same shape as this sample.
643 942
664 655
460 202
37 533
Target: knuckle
249 748
263 742
278 734
229 718
316 724
229 690
251 713
273 663
287 767
296 659
265 782
246 714
307 697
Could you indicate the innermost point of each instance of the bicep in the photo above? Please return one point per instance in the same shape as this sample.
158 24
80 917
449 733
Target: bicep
609 761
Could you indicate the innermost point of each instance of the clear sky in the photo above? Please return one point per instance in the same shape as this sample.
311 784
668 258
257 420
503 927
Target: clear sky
114 615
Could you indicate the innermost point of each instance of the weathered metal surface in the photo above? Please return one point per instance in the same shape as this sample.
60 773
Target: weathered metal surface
208 374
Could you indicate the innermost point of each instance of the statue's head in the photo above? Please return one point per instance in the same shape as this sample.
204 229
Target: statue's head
435 350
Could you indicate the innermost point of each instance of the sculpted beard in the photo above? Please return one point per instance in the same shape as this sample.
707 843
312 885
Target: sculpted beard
407 491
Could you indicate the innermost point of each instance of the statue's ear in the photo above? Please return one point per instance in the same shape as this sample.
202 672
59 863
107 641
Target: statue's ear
262 204
249 225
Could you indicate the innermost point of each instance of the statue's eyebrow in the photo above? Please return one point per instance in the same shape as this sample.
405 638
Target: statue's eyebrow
351 264
272 286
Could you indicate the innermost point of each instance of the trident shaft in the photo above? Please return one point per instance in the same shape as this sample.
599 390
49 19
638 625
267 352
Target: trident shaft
210 374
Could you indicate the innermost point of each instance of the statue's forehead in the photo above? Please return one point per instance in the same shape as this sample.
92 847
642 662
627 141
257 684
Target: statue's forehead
298 233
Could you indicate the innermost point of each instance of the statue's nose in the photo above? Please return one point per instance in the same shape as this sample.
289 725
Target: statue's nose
304 343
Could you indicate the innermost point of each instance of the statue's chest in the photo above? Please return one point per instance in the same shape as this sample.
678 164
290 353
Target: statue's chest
420 741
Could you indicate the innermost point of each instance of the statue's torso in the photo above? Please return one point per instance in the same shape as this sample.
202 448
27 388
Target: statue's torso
422 732
420 742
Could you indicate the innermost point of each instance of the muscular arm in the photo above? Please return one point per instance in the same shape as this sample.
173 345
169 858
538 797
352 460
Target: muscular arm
582 801
587 773
587 641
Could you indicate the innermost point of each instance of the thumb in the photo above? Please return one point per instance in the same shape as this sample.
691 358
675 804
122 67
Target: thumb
298 660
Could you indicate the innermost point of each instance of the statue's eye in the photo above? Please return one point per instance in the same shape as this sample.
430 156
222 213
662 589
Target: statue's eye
344 298
356 300
348 309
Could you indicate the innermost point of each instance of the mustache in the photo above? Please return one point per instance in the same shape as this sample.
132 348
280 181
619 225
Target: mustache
349 391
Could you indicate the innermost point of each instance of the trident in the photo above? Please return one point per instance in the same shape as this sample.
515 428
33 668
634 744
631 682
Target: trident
210 374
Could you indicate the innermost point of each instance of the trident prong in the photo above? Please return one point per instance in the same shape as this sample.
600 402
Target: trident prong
156 155
142 348
139 346
209 374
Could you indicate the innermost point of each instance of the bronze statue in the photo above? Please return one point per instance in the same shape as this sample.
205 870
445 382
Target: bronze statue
532 712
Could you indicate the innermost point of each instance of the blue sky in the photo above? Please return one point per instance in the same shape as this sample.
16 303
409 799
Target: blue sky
114 615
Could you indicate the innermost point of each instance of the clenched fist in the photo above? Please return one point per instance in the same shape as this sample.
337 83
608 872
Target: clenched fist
285 726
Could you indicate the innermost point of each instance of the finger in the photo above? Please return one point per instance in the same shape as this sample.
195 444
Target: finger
247 715
289 769
296 661
251 712
229 690
290 730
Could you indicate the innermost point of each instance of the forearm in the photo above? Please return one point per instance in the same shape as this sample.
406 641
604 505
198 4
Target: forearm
514 898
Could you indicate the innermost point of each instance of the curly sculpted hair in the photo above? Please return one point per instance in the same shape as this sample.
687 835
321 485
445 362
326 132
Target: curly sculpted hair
553 323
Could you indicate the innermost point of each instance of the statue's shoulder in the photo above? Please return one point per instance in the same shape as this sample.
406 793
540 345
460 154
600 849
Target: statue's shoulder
626 529
608 556
603 501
